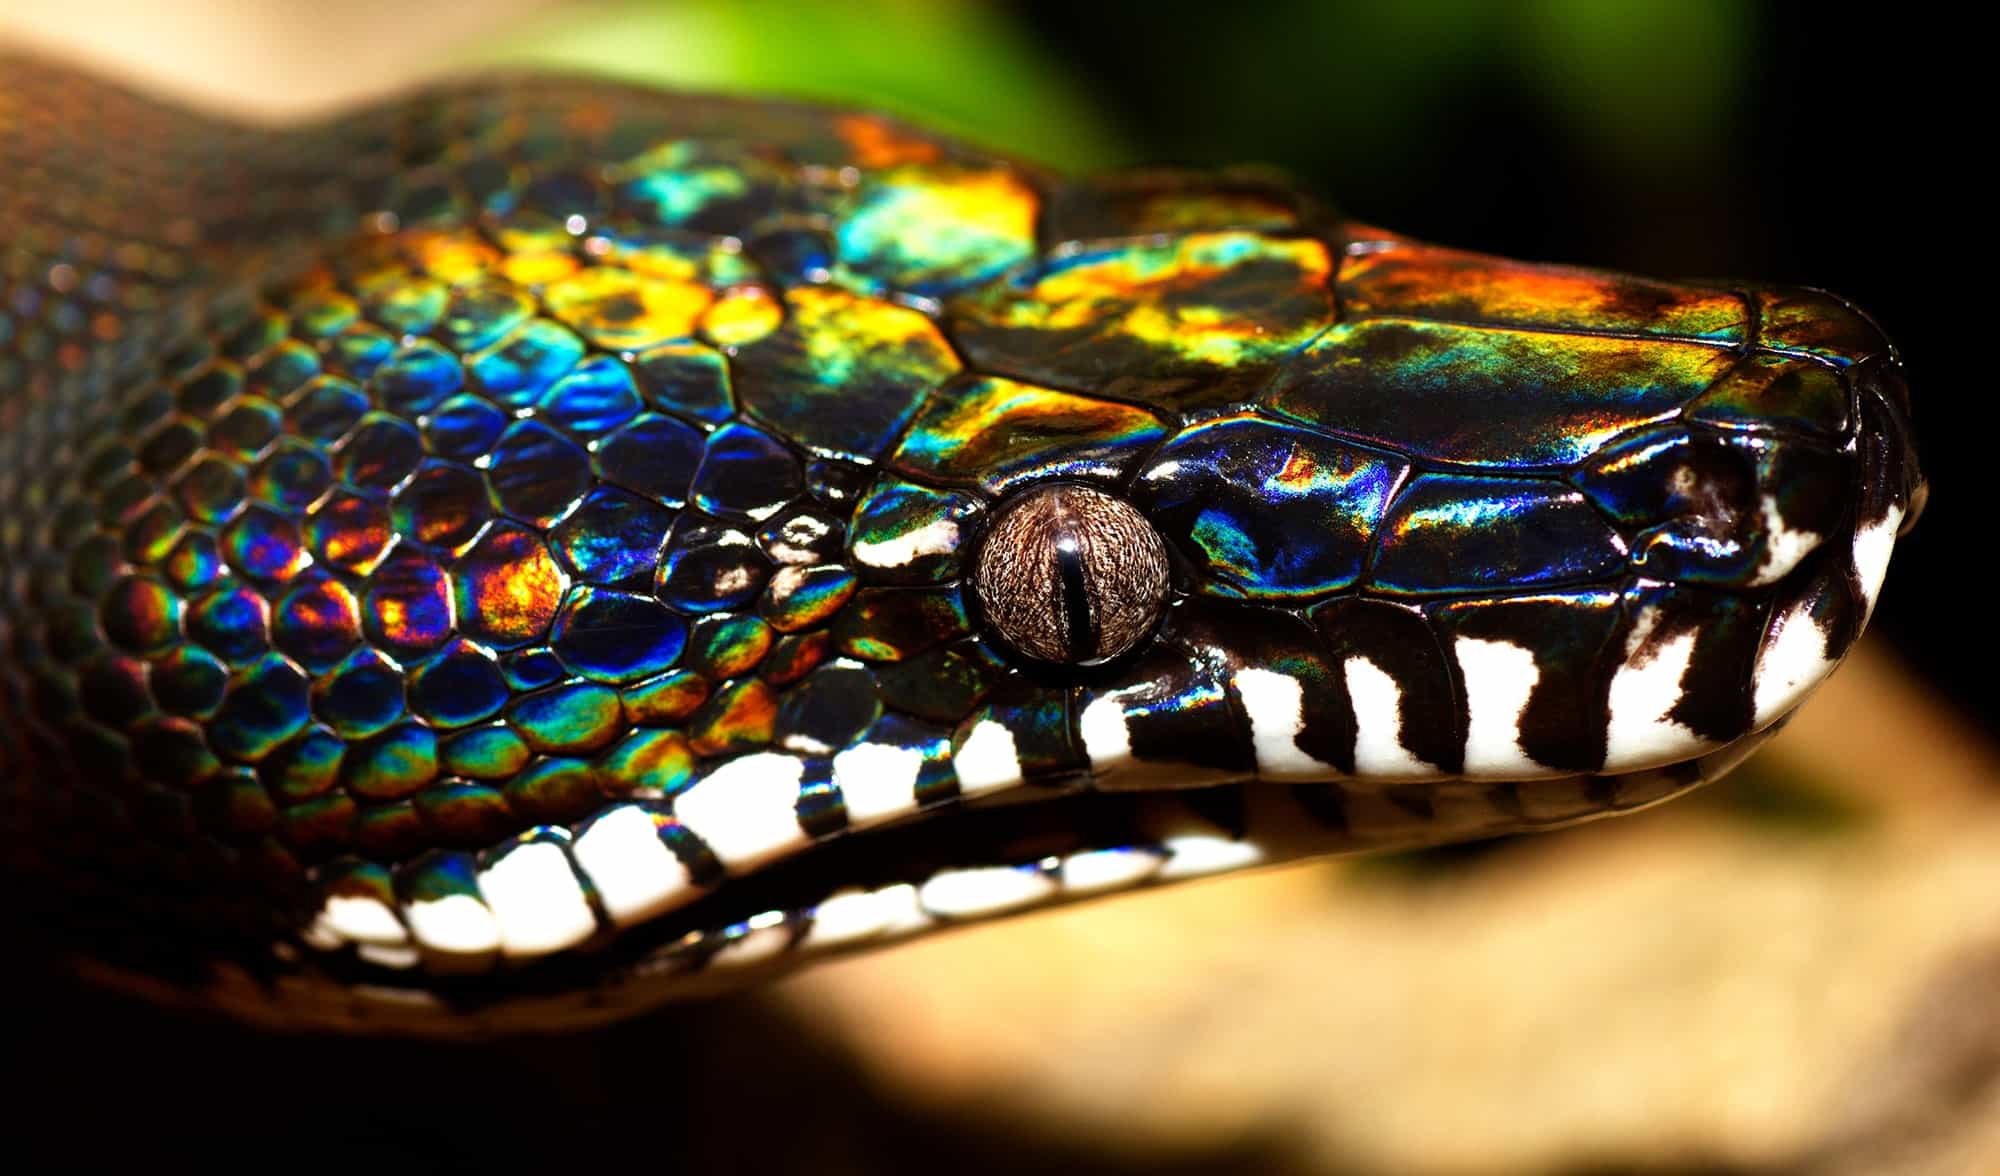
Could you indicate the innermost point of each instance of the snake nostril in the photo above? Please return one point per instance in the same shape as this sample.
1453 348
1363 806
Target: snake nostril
1071 575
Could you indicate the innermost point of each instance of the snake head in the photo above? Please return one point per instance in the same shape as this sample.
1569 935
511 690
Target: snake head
539 548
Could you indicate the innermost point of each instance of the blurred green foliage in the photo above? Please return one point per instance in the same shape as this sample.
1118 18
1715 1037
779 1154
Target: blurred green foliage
959 67
1652 82
1648 82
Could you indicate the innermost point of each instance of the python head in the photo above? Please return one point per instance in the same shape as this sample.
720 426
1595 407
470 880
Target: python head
536 549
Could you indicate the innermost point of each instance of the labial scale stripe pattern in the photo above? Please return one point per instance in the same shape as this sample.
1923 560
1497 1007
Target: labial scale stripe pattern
510 555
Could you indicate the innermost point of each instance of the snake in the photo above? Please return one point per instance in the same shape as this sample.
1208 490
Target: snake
538 547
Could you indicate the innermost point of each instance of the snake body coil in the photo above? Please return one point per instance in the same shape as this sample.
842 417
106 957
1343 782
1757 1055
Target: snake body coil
525 551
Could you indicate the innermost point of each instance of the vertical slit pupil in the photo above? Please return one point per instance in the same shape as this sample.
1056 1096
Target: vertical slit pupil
1081 631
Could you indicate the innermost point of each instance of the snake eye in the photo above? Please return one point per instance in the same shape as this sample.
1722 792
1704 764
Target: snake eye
1071 575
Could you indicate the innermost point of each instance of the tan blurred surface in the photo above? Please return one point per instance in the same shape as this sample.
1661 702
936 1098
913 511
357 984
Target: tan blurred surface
1682 986
264 59
1806 984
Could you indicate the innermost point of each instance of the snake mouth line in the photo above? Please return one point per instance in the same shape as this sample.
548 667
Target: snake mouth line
956 863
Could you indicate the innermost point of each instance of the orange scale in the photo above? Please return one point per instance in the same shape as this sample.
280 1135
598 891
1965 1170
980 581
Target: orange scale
741 716
453 255
538 269
350 532
741 316
878 143
622 311
508 587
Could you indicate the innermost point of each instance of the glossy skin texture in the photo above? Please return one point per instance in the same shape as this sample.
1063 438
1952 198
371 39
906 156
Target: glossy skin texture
507 557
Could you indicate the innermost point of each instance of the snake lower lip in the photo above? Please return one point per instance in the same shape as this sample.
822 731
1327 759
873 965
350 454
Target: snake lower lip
961 863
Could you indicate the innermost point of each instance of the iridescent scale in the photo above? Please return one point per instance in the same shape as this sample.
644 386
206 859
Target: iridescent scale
509 548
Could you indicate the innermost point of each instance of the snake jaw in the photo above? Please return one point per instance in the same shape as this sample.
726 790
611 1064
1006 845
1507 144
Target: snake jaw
527 570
